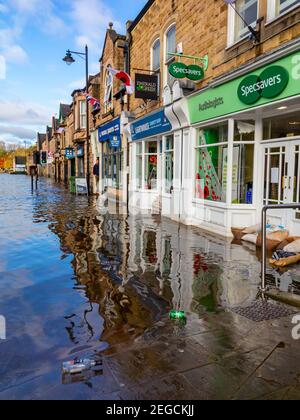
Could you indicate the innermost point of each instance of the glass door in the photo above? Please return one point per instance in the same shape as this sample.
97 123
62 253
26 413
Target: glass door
282 180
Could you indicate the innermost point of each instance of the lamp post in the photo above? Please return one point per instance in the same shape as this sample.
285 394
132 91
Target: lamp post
69 60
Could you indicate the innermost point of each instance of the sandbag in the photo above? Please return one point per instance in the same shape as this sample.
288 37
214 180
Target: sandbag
237 233
293 247
271 245
285 262
252 229
280 235
250 238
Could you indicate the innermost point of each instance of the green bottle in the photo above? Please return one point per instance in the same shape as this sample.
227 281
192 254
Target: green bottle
175 315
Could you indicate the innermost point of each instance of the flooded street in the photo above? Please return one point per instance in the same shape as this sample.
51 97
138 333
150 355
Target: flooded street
75 283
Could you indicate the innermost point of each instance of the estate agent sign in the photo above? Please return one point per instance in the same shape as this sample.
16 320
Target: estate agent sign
146 87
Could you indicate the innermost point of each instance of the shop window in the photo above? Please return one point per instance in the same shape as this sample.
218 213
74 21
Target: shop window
82 111
156 56
139 165
244 131
238 29
278 127
211 163
169 164
242 174
277 8
151 161
80 167
112 166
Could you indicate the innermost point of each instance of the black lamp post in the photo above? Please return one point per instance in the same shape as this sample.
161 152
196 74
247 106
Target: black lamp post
69 60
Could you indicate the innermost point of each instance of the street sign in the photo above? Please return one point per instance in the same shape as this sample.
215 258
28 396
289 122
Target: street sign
146 86
182 71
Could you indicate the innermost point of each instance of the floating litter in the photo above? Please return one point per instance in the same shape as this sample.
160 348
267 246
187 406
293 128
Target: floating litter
177 315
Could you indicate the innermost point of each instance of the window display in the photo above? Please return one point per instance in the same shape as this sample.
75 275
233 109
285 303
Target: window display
169 164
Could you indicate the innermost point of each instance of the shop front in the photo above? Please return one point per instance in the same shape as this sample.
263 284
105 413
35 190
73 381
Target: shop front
111 161
152 158
245 149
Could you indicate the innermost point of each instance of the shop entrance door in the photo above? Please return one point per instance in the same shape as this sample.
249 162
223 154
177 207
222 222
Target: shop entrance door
282 182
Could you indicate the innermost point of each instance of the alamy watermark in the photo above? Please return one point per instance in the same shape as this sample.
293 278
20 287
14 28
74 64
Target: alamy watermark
2 68
2 328
296 329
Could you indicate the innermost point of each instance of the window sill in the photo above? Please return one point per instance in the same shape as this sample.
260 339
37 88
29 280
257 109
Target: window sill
276 19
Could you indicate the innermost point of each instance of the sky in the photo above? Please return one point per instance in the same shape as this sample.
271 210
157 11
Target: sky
34 37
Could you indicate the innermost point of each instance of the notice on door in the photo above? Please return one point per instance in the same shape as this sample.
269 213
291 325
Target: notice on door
274 175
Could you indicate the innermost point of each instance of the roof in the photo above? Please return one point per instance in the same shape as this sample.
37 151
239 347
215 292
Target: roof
64 111
41 137
140 15
114 36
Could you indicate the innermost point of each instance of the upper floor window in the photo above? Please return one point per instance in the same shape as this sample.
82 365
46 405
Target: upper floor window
277 8
108 96
170 42
156 56
237 27
82 111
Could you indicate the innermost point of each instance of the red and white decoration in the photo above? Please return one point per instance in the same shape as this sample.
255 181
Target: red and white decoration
124 77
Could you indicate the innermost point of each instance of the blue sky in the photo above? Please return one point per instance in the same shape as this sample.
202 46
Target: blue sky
34 35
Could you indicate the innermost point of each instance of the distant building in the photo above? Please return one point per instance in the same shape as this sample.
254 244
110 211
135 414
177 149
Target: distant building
19 164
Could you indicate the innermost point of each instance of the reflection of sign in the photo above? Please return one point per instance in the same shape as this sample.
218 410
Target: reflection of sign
111 132
146 86
271 83
81 186
150 126
182 71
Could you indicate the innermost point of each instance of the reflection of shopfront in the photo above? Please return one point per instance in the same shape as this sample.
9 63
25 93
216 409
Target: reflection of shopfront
249 157
152 161
109 136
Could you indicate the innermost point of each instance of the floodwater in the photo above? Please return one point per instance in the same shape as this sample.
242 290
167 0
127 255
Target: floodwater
75 281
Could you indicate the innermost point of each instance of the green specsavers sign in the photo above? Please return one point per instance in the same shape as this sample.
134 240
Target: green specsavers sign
271 83
182 71
267 84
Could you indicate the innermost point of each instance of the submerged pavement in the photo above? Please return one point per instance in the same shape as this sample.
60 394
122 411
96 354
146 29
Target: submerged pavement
77 283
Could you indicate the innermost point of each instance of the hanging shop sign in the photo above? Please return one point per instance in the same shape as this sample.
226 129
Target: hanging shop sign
150 126
267 84
111 132
146 87
182 71
70 153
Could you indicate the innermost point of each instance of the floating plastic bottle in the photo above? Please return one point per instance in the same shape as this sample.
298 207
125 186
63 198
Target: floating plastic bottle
78 366
177 315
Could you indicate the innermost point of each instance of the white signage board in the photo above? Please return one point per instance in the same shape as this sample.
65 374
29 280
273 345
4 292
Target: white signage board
81 186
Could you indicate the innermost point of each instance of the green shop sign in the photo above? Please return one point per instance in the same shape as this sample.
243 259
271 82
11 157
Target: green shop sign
182 71
267 84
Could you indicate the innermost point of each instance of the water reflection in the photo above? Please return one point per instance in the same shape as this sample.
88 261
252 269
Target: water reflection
74 280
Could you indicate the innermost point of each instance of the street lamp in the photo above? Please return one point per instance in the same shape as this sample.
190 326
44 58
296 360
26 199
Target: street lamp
69 60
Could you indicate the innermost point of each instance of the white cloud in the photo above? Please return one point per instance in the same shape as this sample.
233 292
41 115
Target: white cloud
22 113
90 23
22 133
